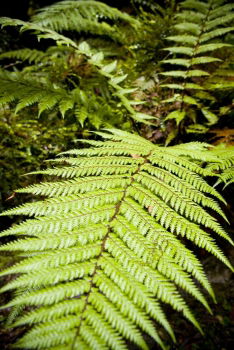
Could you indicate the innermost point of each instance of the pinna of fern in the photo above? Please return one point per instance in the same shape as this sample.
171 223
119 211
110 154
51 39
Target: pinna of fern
107 246
199 31
226 168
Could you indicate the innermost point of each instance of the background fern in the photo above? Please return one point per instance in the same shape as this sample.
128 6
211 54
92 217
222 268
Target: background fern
198 63
84 16
108 246
23 86
93 98
226 168
200 29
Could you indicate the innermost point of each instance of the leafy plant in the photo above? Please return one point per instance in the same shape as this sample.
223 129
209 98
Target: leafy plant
196 46
225 168
94 100
79 77
71 76
26 142
108 245
85 16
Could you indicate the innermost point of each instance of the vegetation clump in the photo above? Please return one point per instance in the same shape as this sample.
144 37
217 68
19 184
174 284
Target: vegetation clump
116 231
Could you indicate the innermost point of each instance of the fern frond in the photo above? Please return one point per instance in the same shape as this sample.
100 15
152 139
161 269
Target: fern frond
105 72
216 32
226 168
211 47
187 39
220 21
151 5
188 27
196 43
27 92
200 6
24 54
227 176
220 8
222 77
83 16
107 248
184 50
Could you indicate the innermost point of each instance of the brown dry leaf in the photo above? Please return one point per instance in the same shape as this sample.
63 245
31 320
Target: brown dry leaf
150 208
223 136
136 156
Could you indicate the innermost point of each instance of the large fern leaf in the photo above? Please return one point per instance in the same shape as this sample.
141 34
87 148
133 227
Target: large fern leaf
108 246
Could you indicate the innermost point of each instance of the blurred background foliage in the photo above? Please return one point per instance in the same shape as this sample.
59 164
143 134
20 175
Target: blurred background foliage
26 142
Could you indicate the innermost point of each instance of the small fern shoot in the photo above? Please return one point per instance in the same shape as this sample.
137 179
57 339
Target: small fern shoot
107 247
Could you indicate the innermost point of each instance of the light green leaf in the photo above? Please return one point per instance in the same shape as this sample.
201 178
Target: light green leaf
110 67
211 47
181 50
65 105
177 115
210 116
85 48
97 58
118 79
197 129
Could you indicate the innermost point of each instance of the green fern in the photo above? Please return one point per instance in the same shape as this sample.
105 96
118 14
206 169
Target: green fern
151 5
108 245
223 76
48 94
28 91
195 51
33 56
84 16
226 167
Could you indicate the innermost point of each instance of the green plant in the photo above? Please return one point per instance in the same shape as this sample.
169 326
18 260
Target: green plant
26 142
225 168
85 16
90 98
196 51
108 245
71 76
81 77
111 241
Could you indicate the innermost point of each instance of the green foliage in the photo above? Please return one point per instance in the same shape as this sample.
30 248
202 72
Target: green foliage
84 16
108 244
70 76
26 142
200 28
89 97
226 167
111 241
